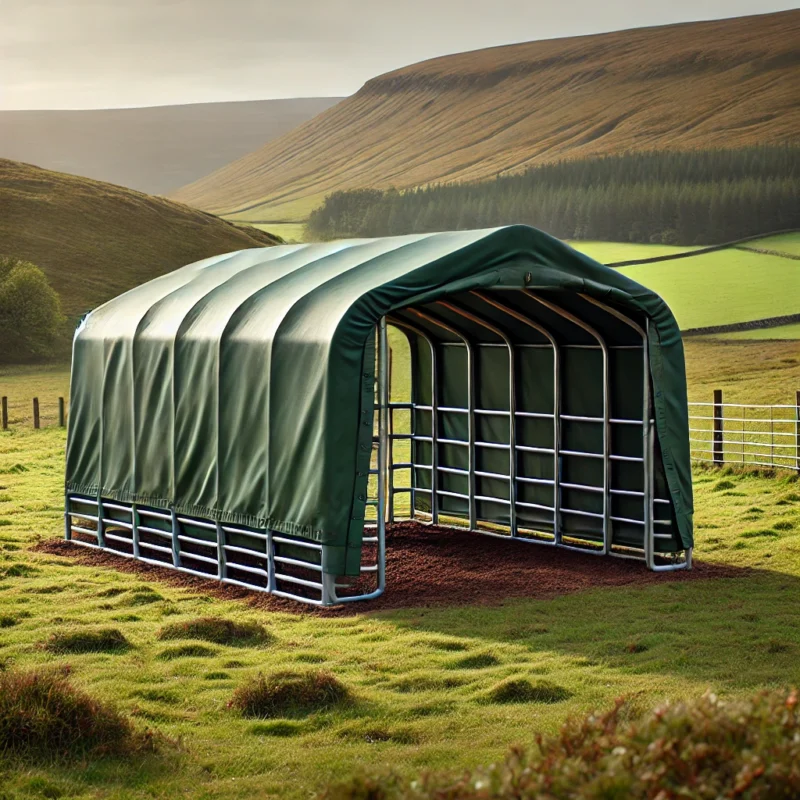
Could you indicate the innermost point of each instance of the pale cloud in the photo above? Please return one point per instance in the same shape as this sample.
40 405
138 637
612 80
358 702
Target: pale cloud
112 53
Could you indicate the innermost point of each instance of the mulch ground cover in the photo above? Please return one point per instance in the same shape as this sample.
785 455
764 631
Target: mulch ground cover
428 566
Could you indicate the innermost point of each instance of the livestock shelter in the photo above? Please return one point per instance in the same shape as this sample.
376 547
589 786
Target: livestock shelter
233 419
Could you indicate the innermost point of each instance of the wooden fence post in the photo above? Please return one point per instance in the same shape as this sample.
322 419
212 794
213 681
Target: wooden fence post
35 412
718 449
4 412
61 414
797 427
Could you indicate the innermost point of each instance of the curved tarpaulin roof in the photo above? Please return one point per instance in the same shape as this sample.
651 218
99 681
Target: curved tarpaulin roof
240 388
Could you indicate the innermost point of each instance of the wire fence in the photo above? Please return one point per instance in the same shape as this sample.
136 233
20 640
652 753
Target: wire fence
747 434
719 433
33 412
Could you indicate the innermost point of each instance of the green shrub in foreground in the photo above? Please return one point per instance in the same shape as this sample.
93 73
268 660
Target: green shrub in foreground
285 694
43 715
703 750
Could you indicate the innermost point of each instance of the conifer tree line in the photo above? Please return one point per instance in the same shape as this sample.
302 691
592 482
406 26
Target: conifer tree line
670 197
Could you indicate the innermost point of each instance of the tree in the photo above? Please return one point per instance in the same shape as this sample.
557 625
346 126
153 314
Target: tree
30 312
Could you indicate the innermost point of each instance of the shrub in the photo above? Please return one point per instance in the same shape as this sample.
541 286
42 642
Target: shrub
30 312
101 640
285 694
703 749
42 714
218 631
521 690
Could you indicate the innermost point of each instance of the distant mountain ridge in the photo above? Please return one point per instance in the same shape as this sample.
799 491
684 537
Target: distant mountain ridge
153 150
724 83
95 240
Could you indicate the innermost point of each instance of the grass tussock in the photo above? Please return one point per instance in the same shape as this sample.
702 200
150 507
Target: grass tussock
185 651
287 694
521 690
99 640
218 631
43 714
748 749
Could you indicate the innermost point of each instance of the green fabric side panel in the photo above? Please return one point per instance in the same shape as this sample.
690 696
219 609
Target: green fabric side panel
85 415
102 388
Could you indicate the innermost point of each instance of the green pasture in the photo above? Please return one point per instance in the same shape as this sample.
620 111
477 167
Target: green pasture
784 243
290 232
421 677
723 287
760 334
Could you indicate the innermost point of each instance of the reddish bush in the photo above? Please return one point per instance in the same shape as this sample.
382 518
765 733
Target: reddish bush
43 714
285 694
704 750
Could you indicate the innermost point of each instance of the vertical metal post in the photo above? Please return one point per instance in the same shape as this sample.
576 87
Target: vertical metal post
470 410
4 412
512 404
401 323
383 450
772 436
222 571
135 529
35 412
271 583
62 417
648 442
473 506
556 403
176 545
797 428
101 527
717 448
67 520
434 436
607 533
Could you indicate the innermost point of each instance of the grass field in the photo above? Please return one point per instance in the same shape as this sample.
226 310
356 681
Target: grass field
723 287
760 334
290 232
785 243
421 678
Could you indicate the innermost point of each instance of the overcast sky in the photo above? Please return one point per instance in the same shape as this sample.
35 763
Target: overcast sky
118 53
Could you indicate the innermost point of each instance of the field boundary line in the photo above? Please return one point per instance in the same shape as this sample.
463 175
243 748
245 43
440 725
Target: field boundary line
703 250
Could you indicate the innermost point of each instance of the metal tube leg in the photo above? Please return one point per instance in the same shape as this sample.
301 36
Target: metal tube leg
383 447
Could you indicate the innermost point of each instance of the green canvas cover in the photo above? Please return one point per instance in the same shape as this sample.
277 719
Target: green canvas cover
240 388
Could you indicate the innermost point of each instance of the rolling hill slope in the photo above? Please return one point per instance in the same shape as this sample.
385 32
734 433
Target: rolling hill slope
473 115
95 240
153 150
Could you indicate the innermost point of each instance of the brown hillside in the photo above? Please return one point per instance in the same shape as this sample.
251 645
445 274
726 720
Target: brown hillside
95 240
724 83
153 150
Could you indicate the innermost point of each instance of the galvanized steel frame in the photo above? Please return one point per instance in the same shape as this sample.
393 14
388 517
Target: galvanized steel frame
306 580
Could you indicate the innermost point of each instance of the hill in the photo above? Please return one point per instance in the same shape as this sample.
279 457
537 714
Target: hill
95 240
727 83
154 150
